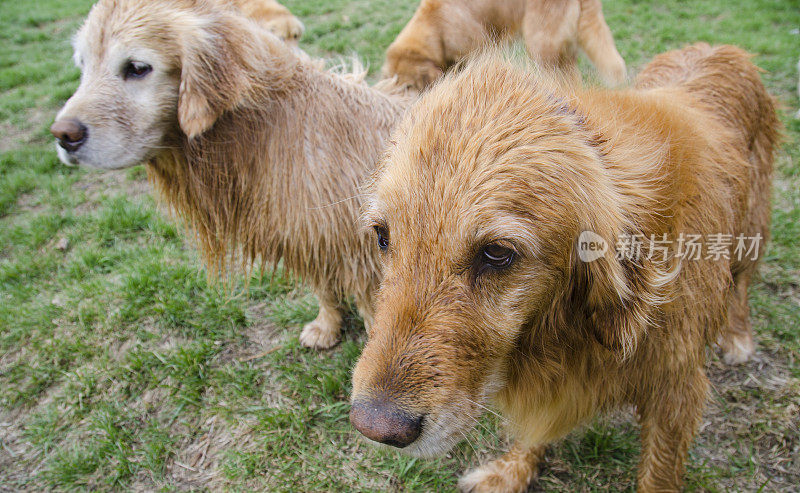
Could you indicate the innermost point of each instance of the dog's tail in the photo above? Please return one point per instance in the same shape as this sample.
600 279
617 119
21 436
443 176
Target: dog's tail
724 81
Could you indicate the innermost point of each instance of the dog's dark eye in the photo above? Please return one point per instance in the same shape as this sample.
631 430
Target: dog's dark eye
383 237
497 256
136 70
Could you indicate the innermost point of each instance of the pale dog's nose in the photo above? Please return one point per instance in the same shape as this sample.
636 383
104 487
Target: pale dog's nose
383 422
70 132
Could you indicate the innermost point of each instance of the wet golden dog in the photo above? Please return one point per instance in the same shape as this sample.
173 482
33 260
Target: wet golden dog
274 17
486 208
255 147
442 32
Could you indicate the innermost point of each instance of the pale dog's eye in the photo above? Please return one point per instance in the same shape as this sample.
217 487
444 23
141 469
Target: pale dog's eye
383 237
136 70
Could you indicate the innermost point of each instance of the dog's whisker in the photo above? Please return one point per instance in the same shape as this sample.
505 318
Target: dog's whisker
354 197
469 442
481 426
485 408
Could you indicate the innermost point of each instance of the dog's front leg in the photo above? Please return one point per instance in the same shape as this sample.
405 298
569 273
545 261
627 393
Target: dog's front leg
511 473
669 417
323 331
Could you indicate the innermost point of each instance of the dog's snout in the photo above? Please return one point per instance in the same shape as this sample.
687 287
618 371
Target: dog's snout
70 132
383 422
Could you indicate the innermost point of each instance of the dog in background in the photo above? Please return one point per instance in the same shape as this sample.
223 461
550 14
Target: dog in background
442 32
259 151
479 207
274 17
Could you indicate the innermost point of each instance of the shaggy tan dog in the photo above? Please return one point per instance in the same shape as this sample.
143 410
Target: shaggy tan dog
498 210
274 17
442 32
258 150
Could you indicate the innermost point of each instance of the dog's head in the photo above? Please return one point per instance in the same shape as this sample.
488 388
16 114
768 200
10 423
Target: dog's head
151 70
477 209
411 66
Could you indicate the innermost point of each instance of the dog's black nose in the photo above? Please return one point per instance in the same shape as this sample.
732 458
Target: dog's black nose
384 422
71 133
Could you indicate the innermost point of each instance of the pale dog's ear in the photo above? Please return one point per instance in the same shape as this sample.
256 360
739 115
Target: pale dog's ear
213 76
222 62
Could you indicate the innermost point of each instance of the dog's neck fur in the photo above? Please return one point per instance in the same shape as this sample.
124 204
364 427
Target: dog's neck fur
563 339
277 177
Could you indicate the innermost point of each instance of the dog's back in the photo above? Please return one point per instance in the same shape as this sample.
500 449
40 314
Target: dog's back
722 82
727 84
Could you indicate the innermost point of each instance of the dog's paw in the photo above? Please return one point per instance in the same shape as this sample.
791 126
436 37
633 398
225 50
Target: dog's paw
317 335
287 27
737 349
497 477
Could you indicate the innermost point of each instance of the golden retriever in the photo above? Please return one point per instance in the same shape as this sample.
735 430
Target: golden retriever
274 17
444 31
504 212
256 148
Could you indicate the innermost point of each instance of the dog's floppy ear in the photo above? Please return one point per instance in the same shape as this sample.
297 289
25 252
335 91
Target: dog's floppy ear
615 295
221 62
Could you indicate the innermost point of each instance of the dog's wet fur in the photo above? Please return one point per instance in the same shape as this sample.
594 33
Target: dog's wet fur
478 205
259 150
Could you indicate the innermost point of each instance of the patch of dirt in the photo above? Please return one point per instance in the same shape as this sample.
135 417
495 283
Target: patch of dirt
199 455
18 136
13 449
753 415
20 462
26 202
97 183
13 137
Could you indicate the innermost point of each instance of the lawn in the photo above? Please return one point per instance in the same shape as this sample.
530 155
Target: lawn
123 367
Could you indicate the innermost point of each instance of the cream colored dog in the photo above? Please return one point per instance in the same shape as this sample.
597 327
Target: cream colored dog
255 147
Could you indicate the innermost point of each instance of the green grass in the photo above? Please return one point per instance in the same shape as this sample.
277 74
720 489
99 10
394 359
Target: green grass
122 367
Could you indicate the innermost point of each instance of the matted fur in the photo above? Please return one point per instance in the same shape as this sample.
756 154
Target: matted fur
442 32
496 156
256 148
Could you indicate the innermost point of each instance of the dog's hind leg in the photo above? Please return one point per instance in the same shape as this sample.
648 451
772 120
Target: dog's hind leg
323 331
511 473
670 416
597 42
549 32
737 339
